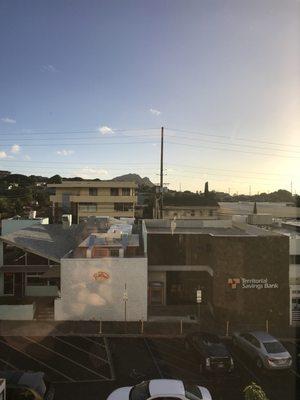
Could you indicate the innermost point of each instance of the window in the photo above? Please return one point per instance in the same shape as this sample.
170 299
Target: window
93 191
114 192
9 279
125 191
114 252
123 206
295 259
274 347
140 391
91 207
255 342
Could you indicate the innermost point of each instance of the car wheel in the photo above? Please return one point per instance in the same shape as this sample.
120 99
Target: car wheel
259 363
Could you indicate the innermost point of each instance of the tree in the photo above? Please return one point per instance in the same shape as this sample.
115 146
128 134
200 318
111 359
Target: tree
254 392
255 208
55 179
206 191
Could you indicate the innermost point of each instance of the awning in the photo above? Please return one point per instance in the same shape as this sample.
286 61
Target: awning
53 272
24 268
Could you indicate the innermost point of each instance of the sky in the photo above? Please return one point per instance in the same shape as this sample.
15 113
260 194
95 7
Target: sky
85 87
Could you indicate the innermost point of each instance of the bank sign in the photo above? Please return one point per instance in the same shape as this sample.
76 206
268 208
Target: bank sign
253 283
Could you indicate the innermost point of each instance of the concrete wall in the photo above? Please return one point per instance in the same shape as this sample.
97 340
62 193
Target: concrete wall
84 298
17 312
295 245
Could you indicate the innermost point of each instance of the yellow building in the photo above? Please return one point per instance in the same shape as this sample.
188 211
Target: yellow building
83 199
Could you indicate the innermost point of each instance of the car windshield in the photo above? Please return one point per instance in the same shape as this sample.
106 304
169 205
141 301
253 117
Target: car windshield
140 391
274 347
211 340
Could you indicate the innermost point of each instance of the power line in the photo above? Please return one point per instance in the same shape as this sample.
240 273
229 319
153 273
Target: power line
231 150
229 137
233 144
63 132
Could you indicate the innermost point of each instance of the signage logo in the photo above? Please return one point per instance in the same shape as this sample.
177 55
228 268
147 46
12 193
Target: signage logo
252 283
233 282
101 276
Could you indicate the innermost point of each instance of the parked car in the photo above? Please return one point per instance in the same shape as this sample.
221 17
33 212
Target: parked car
22 385
161 389
212 354
264 349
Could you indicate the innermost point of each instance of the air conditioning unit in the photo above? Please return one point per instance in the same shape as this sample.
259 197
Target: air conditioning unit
66 220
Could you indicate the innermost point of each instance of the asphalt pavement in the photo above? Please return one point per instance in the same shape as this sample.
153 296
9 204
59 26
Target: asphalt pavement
89 368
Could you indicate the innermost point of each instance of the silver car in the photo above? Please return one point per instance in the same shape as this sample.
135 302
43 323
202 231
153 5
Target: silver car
264 349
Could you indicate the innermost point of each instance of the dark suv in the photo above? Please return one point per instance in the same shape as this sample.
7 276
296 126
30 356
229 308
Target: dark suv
212 354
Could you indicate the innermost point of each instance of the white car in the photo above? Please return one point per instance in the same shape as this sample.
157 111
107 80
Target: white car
156 389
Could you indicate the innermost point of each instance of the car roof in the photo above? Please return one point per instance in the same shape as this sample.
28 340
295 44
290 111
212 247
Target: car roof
263 336
206 335
166 386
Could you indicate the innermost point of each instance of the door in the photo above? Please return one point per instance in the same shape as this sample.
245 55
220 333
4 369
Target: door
19 284
156 293
8 283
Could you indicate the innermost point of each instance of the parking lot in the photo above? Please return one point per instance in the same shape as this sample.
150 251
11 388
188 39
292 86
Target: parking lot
91 367
63 359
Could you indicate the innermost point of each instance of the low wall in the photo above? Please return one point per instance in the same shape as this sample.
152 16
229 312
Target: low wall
16 312
40 291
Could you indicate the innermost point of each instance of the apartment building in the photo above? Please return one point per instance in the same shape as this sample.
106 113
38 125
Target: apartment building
84 199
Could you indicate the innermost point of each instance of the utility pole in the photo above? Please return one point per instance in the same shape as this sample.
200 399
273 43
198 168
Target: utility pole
161 171
292 187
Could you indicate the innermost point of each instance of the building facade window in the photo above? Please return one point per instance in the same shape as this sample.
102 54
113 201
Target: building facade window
295 259
123 206
125 191
114 191
93 191
90 207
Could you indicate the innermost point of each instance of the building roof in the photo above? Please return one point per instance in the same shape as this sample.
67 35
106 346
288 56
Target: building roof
206 227
49 241
86 183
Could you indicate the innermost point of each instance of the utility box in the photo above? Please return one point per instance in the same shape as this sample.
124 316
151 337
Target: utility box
66 220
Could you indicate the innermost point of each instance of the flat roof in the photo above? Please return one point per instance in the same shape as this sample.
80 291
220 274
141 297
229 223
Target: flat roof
86 183
206 227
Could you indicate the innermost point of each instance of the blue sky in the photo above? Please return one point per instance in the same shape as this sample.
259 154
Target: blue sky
84 83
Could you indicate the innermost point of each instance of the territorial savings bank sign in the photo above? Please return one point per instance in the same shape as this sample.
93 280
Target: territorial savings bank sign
243 283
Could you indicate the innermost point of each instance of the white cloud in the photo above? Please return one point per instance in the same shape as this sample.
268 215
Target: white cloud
65 152
154 111
27 157
8 120
91 173
105 130
49 68
15 149
3 154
